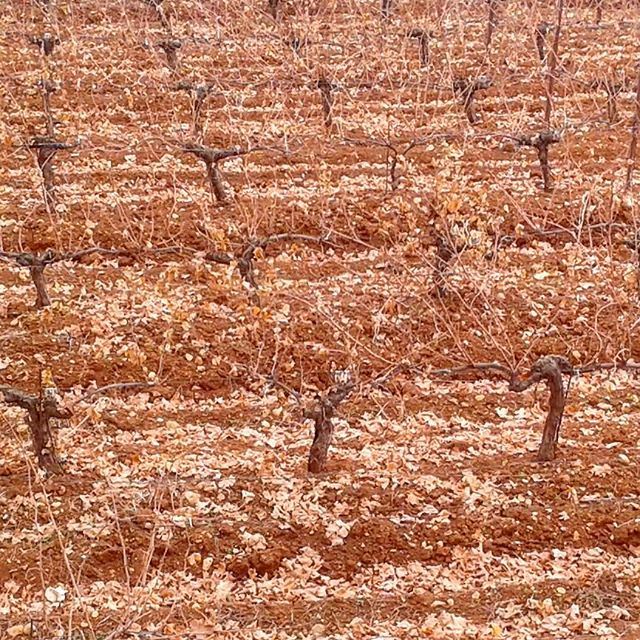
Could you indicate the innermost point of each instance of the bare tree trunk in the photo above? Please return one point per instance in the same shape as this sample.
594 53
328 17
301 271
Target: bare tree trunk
542 141
551 432
172 58
469 110
170 47
46 43
424 51
245 264
393 165
466 90
549 368
327 100
633 146
273 8
423 40
543 157
37 275
385 8
551 76
215 180
211 158
322 417
39 412
45 149
320 446
43 441
45 157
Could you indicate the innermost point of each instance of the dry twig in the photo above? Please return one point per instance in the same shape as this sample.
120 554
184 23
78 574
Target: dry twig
551 75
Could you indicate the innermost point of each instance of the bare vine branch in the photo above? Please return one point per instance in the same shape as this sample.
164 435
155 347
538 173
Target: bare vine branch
212 158
551 75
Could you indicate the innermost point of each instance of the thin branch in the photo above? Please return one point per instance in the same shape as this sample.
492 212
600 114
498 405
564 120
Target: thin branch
466 368
551 76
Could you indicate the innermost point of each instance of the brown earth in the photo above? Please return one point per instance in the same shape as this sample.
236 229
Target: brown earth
186 510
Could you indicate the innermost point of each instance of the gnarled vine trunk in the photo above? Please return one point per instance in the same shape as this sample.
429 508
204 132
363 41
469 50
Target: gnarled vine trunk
40 410
549 368
322 417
